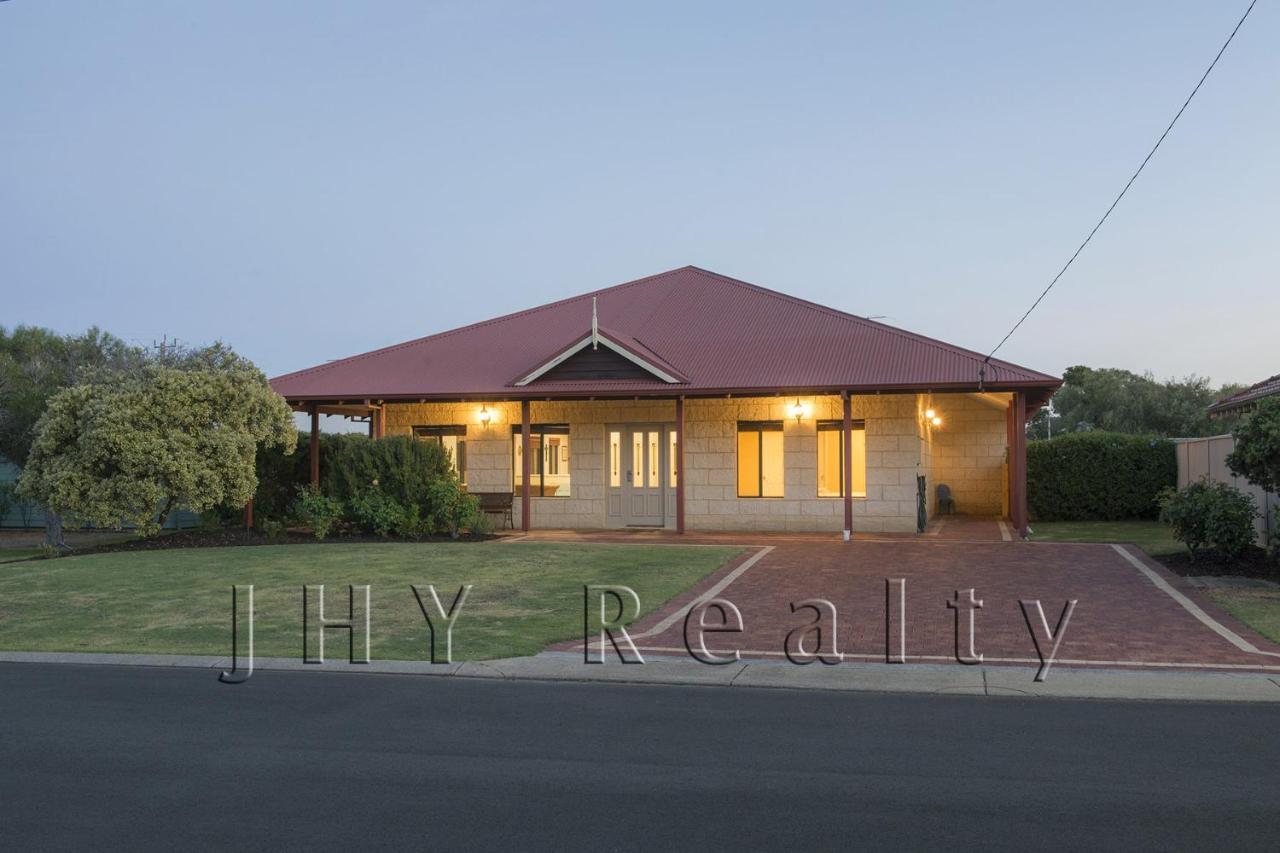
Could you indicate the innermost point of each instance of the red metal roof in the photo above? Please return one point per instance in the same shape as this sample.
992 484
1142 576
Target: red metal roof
1247 397
723 335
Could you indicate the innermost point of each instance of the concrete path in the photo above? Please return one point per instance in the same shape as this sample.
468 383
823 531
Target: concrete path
857 677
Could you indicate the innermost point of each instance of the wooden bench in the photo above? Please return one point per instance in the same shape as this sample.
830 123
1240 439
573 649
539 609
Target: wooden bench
498 503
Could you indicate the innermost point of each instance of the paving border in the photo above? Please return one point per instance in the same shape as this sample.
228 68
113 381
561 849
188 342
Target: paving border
953 679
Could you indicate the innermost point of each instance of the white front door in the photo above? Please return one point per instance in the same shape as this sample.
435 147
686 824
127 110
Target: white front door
638 474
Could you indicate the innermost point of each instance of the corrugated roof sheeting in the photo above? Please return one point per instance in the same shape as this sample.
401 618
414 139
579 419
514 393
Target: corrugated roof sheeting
1249 396
721 333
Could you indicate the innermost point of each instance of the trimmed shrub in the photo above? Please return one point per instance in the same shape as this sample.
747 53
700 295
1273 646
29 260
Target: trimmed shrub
376 513
400 467
1098 476
452 508
317 510
1212 515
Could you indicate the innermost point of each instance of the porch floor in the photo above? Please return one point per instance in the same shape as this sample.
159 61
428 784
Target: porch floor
955 528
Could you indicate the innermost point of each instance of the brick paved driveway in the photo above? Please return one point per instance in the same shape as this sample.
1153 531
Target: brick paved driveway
1123 617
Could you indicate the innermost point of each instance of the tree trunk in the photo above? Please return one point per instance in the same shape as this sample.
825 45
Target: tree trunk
53 531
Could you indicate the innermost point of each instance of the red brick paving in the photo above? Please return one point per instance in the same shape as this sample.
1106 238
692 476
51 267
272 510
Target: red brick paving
1121 616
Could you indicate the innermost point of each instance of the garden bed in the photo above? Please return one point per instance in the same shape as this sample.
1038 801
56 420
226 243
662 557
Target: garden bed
1253 563
233 537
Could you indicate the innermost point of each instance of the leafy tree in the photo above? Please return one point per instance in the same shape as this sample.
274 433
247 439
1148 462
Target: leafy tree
1121 401
172 431
37 363
1257 453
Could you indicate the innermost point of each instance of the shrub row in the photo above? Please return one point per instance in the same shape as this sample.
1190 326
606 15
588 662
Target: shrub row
394 485
1098 476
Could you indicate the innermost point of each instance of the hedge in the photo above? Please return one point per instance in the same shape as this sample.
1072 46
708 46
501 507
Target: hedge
1098 476
350 463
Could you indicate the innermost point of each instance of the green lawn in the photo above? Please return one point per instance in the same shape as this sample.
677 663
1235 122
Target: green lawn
1257 608
14 555
526 595
1151 536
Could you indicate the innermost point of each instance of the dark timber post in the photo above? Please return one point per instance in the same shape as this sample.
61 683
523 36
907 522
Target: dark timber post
524 466
314 449
846 457
1018 465
679 463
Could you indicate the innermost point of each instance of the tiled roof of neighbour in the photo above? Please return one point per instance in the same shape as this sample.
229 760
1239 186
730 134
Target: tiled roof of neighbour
1250 395
717 334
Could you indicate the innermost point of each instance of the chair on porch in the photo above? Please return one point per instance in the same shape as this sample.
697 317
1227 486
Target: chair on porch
946 503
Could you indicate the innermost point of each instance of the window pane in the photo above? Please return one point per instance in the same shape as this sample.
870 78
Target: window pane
634 475
555 483
673 457
829 441
615 459
748 464
654 459
859 456
772 463
517 467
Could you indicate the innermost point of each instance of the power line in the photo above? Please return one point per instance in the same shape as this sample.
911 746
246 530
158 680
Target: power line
1145 160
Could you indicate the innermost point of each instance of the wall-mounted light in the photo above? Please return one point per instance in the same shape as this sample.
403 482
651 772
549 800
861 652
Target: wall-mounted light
485 415
930 414
797 410
936 421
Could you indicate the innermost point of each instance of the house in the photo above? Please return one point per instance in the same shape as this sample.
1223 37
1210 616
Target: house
693 401
1244 401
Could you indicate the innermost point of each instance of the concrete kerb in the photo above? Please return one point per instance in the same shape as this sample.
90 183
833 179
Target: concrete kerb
1062 682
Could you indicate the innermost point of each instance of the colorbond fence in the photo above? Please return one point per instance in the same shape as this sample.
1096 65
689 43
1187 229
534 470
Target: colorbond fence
1199 458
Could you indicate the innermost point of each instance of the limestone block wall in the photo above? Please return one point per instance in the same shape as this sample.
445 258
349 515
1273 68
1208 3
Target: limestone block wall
893 458
894 439
968 452
489 459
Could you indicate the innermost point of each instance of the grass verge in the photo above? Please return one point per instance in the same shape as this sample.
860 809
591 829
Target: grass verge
1257 608
526 595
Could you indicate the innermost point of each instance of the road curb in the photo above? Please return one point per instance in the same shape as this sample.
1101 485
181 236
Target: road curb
989 681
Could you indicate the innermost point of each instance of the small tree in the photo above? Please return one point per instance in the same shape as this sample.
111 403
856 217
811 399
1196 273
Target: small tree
127 447
1257 453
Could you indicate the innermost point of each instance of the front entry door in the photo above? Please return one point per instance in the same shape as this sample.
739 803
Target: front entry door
638 474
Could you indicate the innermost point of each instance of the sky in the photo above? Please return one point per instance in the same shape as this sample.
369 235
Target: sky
307 181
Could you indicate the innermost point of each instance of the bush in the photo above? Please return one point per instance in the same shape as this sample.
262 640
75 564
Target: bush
317 510
1098 476
452 508
376 513
1257 453
272 529
402 467
1212 515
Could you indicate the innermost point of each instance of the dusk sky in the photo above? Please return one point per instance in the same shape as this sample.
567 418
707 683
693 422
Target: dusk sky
306 181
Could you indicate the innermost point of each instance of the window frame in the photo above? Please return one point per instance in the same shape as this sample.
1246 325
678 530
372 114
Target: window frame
759 427
423 432
541 431
837 425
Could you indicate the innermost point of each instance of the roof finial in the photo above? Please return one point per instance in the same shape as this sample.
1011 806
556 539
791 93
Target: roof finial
595 328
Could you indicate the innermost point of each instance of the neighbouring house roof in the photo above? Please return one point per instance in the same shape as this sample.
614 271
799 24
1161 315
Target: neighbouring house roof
689 331
1245 399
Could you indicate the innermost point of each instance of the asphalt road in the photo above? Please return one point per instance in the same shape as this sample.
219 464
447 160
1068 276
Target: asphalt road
138 759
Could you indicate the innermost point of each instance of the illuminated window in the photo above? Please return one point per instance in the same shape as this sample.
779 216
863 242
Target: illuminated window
830 454
454 441
654 481
615 459
760 460
548 462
